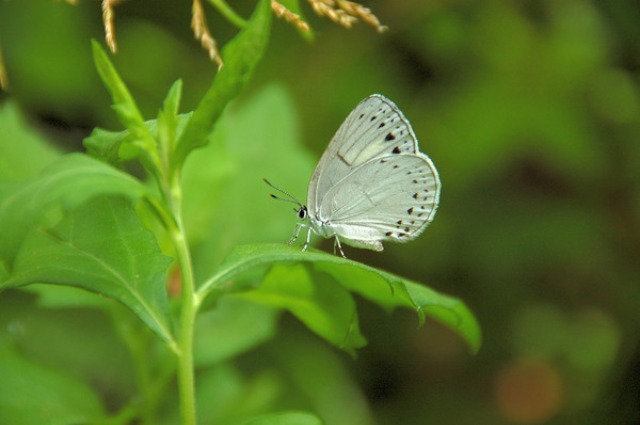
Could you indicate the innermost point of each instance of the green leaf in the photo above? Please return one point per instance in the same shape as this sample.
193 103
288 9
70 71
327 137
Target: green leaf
31 394
102 247
23 152
78 340
240 55
115 147
319 378
124 105
383 288
233 327
226 396
168 118
63 185
111 146
317 300
285 418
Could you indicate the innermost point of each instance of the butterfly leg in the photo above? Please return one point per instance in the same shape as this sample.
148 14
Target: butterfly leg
306 243
336 243
296 233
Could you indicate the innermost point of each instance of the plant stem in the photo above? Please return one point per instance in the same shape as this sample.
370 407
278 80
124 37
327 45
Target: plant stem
229 13
186 381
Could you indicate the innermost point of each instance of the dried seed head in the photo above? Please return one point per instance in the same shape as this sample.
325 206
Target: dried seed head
346 13
4 79
201 32
362 13
108 16
282 12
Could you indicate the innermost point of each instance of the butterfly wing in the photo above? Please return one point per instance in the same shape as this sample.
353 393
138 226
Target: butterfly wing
375 128
393 197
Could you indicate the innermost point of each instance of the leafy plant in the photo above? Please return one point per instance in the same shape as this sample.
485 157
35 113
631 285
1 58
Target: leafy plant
174 249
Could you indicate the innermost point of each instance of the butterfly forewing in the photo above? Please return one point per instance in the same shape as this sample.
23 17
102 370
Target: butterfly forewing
388 198
375 128
372 183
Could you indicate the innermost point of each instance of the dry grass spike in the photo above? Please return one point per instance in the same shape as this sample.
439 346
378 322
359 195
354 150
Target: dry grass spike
282 12
346 13
327 8
108 16
4 79
201 32
363 13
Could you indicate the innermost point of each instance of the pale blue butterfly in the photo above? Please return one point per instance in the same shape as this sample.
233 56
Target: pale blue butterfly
372 183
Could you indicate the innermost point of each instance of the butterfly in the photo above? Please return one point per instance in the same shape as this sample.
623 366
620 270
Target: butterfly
372 183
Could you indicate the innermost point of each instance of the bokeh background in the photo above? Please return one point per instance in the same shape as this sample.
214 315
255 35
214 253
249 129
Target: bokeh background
531 112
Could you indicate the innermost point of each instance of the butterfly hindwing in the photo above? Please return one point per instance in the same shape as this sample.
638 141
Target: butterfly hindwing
387 198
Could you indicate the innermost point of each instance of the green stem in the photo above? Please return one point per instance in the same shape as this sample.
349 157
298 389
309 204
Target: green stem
189 309
229 13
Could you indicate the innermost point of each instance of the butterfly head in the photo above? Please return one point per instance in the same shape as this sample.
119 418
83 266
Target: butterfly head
301 210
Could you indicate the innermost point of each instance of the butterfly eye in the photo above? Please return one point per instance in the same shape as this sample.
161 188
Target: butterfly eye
302 212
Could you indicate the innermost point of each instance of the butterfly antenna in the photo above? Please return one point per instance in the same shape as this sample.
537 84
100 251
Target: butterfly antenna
291 198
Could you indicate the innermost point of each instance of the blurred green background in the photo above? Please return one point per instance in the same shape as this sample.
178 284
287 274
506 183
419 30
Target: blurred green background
531 112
